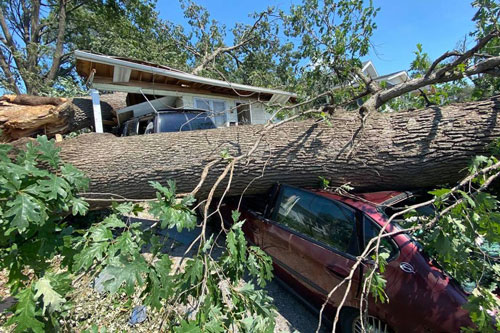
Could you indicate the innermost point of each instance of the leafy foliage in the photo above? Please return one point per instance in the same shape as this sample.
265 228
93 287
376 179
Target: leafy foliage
486 19
114 249
33 204
465 239
330 38
128 257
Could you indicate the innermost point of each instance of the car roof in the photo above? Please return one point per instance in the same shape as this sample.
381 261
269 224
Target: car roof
181 111
166 111
368 199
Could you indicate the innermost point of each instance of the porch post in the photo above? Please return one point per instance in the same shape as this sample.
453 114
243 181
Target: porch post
96 105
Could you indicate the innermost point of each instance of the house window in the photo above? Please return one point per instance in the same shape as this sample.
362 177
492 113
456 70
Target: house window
217 109
244 114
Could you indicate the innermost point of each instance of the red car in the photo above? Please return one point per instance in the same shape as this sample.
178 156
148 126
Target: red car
314 236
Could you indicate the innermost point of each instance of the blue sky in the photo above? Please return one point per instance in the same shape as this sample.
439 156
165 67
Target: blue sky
437 24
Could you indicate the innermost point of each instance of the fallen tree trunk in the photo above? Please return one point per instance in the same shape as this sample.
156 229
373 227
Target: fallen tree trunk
28 116
400 150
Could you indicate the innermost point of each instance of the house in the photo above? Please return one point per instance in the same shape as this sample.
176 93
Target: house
391 79
154 87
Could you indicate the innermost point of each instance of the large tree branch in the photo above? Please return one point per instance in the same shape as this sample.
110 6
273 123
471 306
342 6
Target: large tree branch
56 59
246 38
35 21
447 73
32 48
490 66
9 76
8 41
461 58
440 59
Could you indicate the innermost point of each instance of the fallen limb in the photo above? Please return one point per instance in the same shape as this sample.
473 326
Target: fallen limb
28 116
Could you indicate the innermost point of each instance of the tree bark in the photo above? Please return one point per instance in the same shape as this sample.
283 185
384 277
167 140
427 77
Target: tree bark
402 150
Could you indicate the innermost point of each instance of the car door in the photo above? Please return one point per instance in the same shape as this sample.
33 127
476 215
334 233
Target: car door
321 241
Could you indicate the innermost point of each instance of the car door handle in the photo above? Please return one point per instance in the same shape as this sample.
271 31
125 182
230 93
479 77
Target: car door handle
338 271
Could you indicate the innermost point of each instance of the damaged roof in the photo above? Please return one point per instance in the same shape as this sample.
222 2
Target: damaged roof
128 75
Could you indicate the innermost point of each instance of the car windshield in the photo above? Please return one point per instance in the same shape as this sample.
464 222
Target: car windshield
183 121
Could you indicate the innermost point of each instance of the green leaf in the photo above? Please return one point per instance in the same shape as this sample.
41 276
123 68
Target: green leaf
129 274
235 215
24 209
55 186
126 208
188 200
440 192
4 150
125 244
113 222
51 299
214 326
25 314
226 155
48 151
101 233
11 177
187 327
168 192
86 257
194 271
75 177
79 206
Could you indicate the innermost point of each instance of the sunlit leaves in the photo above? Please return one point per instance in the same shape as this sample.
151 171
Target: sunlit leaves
331 37
171 211
33 230
465 239
259 265
36 192
24 209
48 152
25 316
482 305
51 299
125 273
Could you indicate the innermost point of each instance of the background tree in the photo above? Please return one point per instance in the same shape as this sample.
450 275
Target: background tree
487 20
330 39
256 55
38 38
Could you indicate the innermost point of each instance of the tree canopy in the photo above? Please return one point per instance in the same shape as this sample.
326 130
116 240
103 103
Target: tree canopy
310 47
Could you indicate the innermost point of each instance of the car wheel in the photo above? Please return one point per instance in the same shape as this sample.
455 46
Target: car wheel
350 322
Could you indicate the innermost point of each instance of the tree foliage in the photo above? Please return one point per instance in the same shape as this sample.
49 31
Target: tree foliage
463 236
39 37
35 228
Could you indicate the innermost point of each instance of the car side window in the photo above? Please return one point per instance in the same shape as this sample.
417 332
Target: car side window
131 127
371 230
324 220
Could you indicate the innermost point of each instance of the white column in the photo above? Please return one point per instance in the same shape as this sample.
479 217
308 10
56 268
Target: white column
96 104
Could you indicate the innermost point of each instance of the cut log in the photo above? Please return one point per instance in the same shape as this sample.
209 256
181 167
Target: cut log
33 100
27 116
402 150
